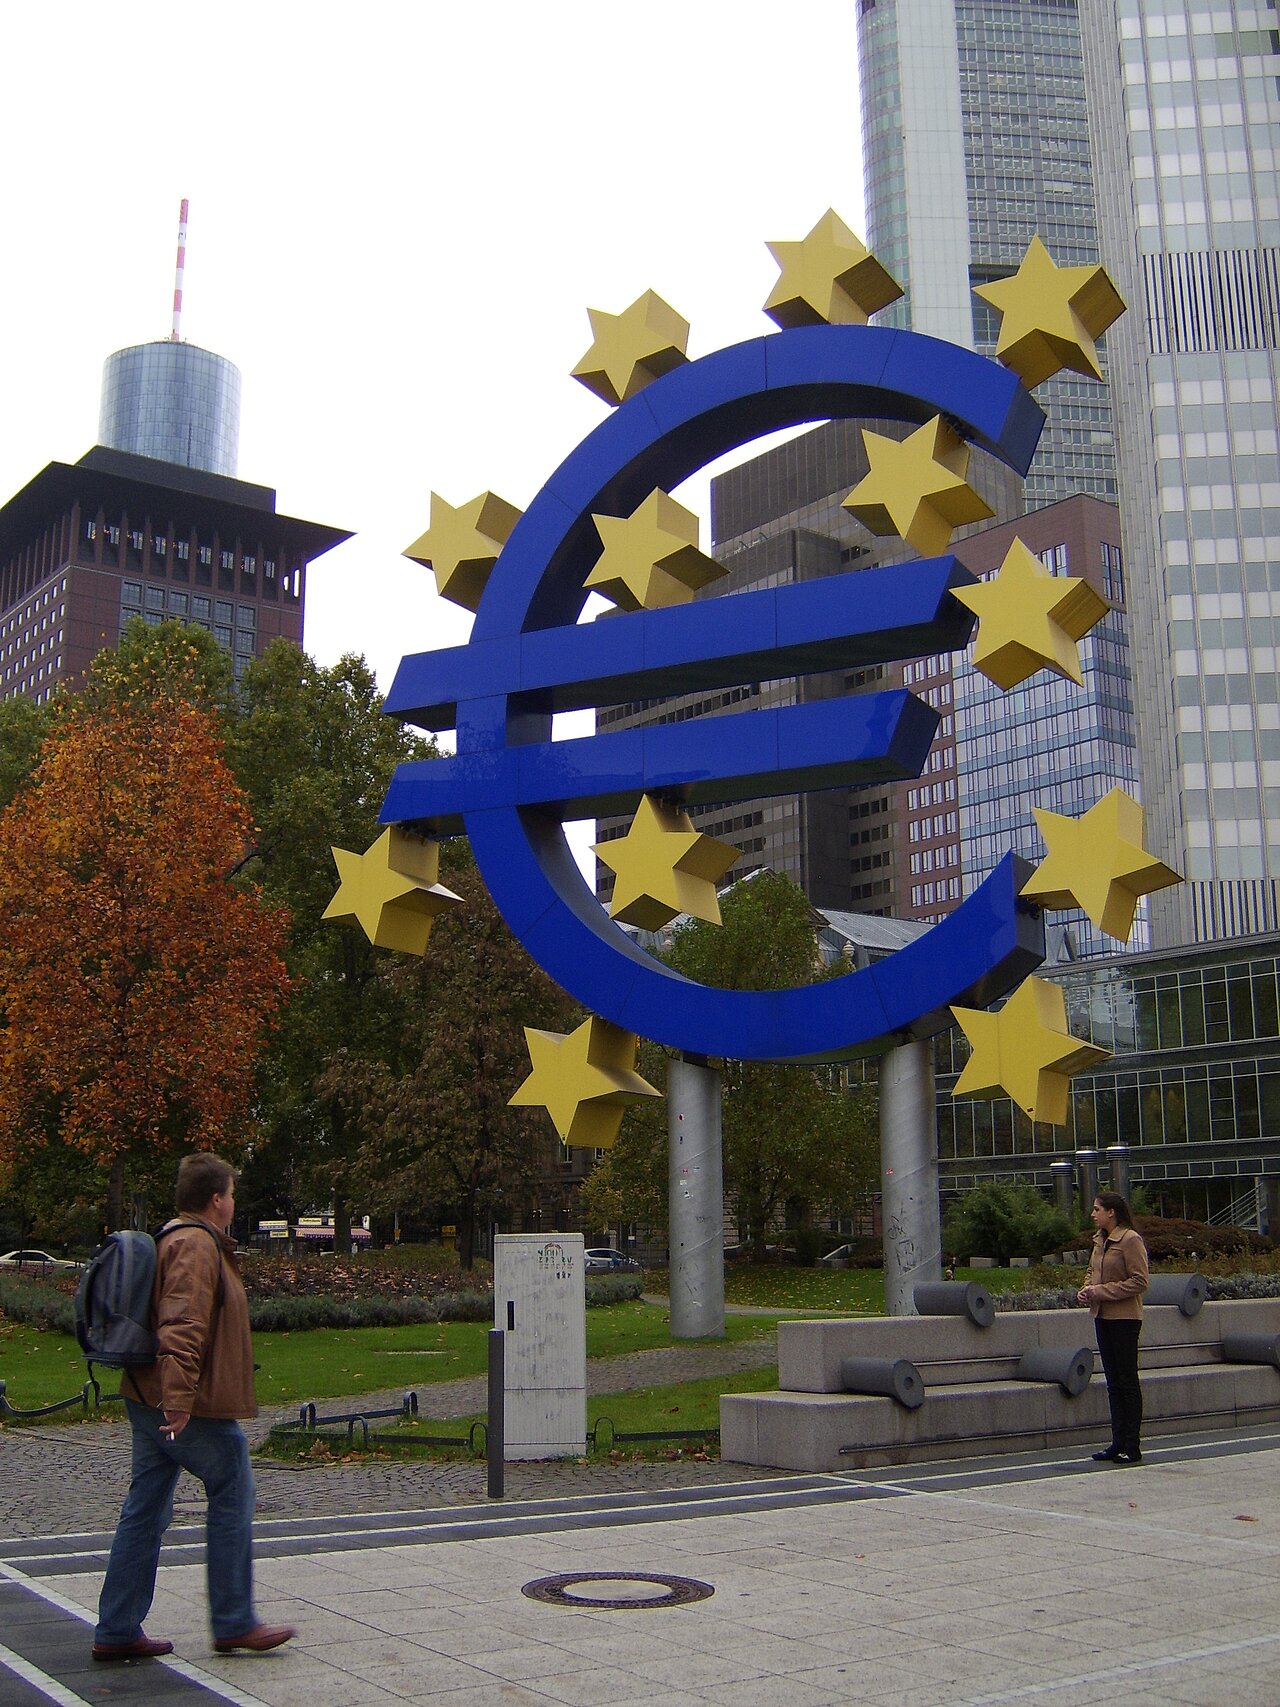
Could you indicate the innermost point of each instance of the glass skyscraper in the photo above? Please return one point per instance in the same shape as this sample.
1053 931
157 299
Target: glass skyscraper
1184 100
976 139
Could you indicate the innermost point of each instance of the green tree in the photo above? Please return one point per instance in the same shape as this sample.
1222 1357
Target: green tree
442 1133
315 752
23 727
797 1141
1004 1221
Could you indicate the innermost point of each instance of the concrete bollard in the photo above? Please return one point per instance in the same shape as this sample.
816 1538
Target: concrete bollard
1072 1370
956 1298
1251 1348
1187 1291
894 1378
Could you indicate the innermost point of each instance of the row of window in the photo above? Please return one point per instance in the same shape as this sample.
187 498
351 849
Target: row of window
944 889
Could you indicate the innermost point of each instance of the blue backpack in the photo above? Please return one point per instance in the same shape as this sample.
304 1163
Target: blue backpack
113 1300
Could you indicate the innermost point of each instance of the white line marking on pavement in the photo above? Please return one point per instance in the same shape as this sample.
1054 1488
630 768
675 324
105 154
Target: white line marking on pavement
48 1686
1091 1518
215 1685
1135 1668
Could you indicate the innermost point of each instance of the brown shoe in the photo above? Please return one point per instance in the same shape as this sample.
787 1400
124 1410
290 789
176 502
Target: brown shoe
256 1641
141 1648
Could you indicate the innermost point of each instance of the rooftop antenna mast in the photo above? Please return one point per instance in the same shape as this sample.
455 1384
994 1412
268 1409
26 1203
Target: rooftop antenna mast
175 334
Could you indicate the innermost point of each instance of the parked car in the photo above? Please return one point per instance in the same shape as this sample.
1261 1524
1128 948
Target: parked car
34 1259
606 1261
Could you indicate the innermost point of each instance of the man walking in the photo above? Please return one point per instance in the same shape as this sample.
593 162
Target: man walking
183 1411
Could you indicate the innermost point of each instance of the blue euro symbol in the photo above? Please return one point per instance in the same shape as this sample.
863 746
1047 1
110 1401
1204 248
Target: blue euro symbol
511 788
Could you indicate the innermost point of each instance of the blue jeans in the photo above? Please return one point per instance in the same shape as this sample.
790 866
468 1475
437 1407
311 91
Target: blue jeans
216 1453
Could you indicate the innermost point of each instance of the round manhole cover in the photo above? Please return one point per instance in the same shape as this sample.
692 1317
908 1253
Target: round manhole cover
621 1590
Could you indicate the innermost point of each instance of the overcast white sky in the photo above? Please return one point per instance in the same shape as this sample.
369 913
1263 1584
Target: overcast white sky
400 211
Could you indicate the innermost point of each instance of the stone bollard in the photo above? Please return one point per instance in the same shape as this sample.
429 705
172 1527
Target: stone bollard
956 1298
1072 1370
895 1378
1251 1348
1187 1291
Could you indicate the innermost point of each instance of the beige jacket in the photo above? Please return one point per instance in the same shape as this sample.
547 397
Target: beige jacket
1118 1275
204 1365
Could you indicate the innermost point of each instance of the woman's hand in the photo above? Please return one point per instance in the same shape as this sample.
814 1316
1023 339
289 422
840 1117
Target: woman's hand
1084 1295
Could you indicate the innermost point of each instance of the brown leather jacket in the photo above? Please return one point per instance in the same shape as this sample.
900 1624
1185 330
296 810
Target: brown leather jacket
1118 1275
205 1361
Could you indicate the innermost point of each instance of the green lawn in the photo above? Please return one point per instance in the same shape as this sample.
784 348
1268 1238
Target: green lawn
679 1409
330 1363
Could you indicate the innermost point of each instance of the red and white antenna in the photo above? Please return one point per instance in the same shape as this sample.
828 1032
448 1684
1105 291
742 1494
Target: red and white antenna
175 334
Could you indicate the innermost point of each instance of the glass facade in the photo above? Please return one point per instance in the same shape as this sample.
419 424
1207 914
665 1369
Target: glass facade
173 402
1185 101
979 107
1192 1086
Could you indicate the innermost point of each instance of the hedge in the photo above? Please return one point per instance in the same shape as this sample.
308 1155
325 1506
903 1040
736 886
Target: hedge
48 1305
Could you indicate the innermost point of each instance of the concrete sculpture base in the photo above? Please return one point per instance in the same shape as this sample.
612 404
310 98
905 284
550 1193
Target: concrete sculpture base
973 1405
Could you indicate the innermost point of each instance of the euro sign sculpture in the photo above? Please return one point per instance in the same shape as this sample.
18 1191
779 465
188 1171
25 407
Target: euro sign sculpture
511 789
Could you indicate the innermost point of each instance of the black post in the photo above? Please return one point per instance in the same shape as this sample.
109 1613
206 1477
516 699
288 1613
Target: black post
496 1434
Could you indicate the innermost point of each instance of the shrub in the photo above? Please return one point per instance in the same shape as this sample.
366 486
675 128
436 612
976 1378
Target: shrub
1004 1221
38 1303
1168 1238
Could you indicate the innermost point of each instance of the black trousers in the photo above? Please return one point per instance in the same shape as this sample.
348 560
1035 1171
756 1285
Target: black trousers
1118 1349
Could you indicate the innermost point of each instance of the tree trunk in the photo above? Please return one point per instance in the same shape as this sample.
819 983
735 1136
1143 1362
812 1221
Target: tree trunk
115 1196
467 1235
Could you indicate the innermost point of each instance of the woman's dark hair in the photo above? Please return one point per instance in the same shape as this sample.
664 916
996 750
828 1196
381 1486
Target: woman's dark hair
201 1178
1113 1200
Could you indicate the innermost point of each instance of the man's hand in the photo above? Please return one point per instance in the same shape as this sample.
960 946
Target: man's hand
174 1423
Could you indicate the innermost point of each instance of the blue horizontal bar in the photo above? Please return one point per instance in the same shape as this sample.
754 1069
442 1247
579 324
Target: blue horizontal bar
752 755
841 622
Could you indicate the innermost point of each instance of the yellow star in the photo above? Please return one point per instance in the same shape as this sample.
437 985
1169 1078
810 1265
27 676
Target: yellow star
1051 315
651 557
917 488
829 278
391 891
586 1080
632 348
664 867
461 546
1025 1052
1098 863
1029 619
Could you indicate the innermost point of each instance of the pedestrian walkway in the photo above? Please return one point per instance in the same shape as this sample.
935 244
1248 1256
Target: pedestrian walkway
1041 1580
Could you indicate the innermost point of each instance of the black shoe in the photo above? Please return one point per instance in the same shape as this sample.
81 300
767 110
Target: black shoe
1110 1456
1134 1457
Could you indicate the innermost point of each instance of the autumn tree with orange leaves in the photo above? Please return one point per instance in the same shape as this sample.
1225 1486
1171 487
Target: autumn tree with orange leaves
138 974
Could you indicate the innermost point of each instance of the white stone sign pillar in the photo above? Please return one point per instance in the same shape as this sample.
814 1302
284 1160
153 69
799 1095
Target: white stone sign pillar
539 1301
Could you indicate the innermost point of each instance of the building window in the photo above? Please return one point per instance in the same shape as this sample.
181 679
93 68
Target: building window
199 606
155 598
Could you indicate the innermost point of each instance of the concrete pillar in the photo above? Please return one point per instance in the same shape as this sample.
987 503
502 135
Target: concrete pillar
696 1196
1064 1188
1087 1178
910 1207
1118 1157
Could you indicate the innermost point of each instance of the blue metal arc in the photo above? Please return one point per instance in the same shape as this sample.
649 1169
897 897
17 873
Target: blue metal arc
510 789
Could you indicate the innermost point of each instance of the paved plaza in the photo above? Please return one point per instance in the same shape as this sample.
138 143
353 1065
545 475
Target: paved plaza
1039 1579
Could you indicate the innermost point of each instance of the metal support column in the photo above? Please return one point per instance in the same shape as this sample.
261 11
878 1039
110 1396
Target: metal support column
1064 1189
909 1202
696 1196
1087 1176
1118 1157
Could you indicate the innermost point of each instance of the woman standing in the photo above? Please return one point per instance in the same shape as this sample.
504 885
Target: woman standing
1118 1276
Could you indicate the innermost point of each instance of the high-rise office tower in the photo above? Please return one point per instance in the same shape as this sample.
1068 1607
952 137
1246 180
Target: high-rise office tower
150 524
975 139
1184 100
